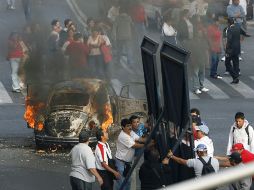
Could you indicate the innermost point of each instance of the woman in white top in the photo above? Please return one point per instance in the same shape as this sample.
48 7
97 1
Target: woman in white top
169 33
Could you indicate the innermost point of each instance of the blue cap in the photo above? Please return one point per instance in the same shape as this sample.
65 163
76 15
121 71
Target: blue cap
202 128
201 148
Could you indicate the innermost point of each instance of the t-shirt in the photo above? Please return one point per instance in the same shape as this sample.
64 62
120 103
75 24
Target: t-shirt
123 146
214 37
198 165
82 160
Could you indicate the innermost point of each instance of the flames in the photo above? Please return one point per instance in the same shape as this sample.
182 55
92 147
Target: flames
31 114
108 117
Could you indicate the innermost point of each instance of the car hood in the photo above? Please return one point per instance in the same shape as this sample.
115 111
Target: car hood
65 122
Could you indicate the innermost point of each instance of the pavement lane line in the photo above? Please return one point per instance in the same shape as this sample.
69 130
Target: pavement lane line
241 87
76 14
215 92
4 96
193 96
116 85
252 77
81 13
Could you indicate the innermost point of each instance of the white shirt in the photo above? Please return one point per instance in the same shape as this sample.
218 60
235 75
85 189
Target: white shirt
82 160
102 153
209 144
168 30
124 143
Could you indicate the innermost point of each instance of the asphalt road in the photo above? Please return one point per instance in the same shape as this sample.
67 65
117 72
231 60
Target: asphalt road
23 168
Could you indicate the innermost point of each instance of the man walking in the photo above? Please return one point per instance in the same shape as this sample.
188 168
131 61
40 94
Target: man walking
241 132
83 170
233 50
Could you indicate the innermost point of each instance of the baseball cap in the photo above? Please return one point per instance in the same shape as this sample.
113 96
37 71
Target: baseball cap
237 146
84 136
201 148
202 128
236 157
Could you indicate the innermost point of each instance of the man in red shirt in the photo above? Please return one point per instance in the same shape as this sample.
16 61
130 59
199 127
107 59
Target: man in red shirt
214 40
246 155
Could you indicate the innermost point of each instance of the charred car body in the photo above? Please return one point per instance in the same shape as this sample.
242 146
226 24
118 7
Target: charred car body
70 107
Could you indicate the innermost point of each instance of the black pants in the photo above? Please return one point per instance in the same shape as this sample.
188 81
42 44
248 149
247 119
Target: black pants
107 180
233 70
78 184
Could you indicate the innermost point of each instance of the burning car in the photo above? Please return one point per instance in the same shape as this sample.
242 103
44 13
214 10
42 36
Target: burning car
70 107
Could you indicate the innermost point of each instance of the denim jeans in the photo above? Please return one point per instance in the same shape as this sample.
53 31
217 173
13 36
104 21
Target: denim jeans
214 63
15 63
118 183
198 76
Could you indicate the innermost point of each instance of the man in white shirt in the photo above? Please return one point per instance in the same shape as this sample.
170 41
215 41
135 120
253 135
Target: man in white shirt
241 132
83 170
126 144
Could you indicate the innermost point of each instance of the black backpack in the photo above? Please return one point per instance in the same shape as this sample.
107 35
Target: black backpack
207 167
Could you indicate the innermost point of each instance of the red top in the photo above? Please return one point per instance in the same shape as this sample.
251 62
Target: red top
247 156
214 38
138 13
78 53
15 49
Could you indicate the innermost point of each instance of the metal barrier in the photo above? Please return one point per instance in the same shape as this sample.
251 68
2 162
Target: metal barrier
226 176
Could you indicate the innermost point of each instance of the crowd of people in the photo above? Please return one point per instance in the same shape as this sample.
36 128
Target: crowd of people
157 170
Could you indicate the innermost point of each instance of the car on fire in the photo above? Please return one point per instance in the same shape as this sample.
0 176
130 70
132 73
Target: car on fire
64 110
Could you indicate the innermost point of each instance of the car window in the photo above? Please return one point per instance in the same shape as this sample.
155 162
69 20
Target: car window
77 99
134 91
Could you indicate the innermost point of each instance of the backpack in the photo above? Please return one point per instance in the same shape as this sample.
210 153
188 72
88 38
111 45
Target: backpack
207 167
246 130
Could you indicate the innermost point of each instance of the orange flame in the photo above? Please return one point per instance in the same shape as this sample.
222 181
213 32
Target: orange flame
31 114
108 117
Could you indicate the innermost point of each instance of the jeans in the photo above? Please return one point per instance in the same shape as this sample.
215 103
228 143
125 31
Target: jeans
95 63
11 2
15 63
125 47
120 167
78 184
214 63
233 70
198 76
27 9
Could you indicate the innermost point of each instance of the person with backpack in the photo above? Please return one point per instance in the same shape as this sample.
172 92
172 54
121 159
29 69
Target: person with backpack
241 132
202 165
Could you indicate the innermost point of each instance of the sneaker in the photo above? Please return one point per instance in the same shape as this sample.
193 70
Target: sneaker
242 52
223 58
240 58
12 7
204 89
216 77
197 91
239 73
16 90
226 73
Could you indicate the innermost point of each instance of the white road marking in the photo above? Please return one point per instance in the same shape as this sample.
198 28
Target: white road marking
81 13
116 85
241 88
215 92
75 12
4 96
252 77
